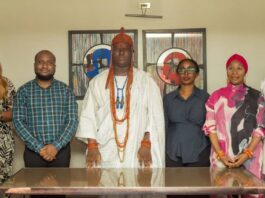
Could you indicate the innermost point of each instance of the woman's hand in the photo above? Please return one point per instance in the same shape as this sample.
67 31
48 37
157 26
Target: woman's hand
227 161
240 159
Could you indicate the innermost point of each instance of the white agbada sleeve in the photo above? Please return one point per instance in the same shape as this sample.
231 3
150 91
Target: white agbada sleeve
156 124
87 127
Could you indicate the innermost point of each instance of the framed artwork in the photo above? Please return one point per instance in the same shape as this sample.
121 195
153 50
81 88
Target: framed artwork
164 49
90 54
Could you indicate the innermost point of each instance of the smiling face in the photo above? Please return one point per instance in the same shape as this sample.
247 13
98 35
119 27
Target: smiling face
121 55
236 73
44 66
187 72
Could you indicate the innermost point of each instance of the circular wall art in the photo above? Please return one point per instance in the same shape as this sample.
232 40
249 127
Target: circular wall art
97 59
167 63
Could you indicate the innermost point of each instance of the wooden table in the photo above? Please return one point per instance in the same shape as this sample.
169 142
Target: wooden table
178 181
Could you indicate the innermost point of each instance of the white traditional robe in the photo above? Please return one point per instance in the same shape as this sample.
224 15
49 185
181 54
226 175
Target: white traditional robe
146 115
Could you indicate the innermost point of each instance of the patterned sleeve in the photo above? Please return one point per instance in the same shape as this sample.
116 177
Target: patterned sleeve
210 122
20 121
261 108
71 120
11 93
260 130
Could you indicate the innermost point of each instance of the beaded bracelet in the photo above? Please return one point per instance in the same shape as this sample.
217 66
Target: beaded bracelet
146 143
220 154
92 145
248 152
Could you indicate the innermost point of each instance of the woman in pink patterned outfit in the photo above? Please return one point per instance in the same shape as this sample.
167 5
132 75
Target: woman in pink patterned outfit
231 121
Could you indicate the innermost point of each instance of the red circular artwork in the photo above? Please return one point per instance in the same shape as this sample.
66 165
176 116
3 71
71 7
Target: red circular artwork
167 64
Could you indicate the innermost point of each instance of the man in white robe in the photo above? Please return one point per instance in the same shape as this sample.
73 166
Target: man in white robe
145 145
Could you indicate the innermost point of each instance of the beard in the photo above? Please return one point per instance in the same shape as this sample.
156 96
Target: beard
44 78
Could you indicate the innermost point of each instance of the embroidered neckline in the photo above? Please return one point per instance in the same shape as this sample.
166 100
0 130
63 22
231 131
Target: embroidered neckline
120 94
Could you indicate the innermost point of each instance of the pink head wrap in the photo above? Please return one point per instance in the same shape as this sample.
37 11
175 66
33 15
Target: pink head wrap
238 58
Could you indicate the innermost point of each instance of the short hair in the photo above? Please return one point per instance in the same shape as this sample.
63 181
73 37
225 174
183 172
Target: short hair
44 52
189 60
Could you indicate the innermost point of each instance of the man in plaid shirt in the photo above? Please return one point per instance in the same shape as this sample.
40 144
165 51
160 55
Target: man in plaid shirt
45 116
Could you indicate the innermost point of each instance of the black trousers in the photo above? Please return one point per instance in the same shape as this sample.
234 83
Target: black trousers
34 160
204 160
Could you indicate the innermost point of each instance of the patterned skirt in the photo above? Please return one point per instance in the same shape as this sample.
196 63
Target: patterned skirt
7 147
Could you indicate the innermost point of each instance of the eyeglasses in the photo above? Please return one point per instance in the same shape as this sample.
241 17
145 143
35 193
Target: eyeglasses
189 70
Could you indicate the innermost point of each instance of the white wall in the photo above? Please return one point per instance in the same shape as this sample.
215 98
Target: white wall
31 25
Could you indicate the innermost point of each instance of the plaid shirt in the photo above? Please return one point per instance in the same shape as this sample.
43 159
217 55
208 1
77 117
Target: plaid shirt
45 116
